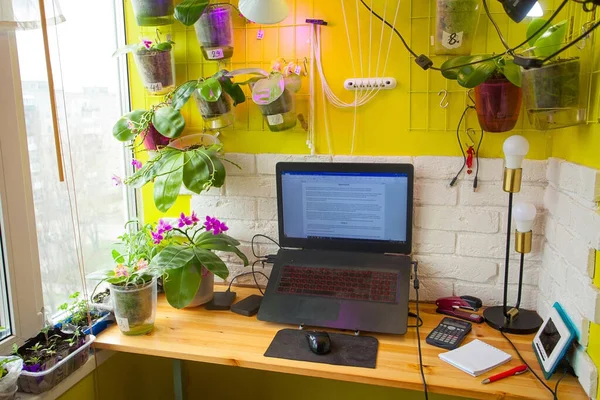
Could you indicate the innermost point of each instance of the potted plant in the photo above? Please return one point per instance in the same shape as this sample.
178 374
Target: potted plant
456 24
276 99
10 368
155 63
213 24
77 316
188 260
152 12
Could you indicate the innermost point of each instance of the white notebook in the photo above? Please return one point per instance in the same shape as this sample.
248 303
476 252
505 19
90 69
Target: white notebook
476 358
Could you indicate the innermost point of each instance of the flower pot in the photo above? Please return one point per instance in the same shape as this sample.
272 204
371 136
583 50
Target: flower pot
134 307
156 69
456 25
552 95
193 141
216 114
205 291
498 105
214 31
153 139
280 115
153 12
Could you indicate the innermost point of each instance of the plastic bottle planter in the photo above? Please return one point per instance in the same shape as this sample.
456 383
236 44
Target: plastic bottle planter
153 12
214 30
156 69
281 113
552 95
134 307
498 104
216 114
456 24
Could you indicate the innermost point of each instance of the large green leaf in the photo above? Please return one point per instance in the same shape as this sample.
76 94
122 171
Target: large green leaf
208 237
512 72
471 76
122 130
189 11
168 182
211 262
196 172
149 171
233 90
551 40
222 245
182 94
210 89
172 257
182 284
168 122
534 26
217 169
450 69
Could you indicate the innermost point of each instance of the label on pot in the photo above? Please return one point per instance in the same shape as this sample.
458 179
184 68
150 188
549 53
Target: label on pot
452 40
275 119
214 54
123 324
154 87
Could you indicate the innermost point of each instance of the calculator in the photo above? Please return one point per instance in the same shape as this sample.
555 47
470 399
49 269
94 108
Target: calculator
449 333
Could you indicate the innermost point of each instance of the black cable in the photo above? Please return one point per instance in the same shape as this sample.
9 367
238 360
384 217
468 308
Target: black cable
263 236
416 285
247 273
573 43
498 31
419 320
453 181
254 276
475 182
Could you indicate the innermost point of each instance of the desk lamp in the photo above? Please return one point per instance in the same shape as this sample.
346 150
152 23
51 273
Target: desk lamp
264 11
514 319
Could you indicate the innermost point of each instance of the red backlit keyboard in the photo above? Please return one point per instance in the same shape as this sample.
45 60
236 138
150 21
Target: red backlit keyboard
339 283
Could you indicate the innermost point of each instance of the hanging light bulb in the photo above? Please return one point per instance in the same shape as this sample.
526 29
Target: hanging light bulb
524 216
515 149
537 11
517 10
264 11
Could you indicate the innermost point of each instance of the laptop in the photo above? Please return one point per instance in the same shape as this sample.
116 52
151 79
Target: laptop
346 236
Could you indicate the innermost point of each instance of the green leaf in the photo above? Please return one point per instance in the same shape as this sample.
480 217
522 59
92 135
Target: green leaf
208 237
182 284
122 131
189 11
512 72
533 27
217 168
222 245
196 173
182 94
163 46
210 89
551 40
168 182
126 49
211 262
233 90
449 70
149 171
117 257
471 76
172 257
168 122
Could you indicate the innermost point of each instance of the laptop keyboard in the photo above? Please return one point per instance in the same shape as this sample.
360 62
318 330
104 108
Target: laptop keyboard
339 283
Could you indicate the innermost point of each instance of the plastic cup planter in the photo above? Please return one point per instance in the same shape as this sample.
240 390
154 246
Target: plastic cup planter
206 290
498 104
156 69
153 12
135 307
214 30
456 25
216 114
8 383
276 102
552 95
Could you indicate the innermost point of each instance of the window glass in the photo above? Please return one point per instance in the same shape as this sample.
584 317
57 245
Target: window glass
5 322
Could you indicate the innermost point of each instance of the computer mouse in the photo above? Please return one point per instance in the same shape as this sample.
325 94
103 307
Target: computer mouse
319 342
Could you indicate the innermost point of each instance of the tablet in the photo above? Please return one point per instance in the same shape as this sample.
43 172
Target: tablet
553 339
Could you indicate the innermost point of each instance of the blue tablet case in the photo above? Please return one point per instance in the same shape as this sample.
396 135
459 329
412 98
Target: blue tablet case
573 334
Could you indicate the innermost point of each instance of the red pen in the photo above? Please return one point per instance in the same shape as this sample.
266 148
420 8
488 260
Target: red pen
521 369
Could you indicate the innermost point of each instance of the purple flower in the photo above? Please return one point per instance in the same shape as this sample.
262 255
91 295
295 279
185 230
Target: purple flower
156 237
163 227
137 164
116 180
186 221
214 225
147 43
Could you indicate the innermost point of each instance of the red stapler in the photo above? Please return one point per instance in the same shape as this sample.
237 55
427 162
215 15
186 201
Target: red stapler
452 305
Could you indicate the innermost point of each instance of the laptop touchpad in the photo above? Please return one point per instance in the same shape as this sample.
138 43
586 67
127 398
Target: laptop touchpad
317 309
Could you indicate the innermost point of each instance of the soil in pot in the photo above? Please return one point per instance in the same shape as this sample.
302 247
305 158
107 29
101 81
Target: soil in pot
281 113
214 31
156 69
553 86
498 104
153 12
456 25
216 114
134 307
45 350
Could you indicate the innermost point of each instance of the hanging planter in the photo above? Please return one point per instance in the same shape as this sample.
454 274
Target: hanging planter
276 101
216 114
153 12
214 30
498 104
456 25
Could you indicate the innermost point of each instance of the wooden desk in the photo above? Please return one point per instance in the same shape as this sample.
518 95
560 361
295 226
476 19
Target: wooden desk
223 337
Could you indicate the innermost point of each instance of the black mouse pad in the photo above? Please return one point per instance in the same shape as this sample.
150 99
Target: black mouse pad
348 350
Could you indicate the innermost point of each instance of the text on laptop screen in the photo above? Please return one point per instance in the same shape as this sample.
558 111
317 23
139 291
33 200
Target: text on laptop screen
345 205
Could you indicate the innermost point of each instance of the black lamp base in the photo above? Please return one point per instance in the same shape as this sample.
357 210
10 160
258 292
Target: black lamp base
526 322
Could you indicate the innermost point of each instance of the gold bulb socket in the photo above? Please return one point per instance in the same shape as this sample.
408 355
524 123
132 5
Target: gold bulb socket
512 180
513 313
523 242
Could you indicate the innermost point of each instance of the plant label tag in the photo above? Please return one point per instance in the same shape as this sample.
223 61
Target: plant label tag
260 35
214 54
154 87
276 119
123 324
452 40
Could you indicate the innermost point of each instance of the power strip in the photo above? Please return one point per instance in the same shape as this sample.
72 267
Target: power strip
370 83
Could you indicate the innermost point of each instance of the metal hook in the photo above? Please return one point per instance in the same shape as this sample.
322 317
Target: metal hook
444 102
584 29
470 96
469 132
305 61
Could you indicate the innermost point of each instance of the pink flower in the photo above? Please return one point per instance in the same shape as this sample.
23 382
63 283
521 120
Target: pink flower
194 217
147 43
187 221
214 225
156 237
137 164
163 227
121 271
116 180
142 264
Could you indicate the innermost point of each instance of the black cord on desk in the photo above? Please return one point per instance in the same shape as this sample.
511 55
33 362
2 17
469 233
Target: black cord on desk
419 320
248 273
415 265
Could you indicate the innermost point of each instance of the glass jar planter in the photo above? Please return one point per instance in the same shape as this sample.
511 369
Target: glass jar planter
280 114
153 12
157 70
135 307
214 31
456 25
216 114
498 105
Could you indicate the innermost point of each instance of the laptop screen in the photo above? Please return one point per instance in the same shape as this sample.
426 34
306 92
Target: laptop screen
364 205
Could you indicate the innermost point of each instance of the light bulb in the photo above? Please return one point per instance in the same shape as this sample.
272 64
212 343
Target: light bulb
515 149
536 11
524 214
264 11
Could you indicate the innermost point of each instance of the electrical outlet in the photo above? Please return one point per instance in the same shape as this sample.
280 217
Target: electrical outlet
370 83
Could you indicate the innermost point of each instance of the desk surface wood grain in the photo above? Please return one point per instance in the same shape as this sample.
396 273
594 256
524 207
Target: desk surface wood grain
222 337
